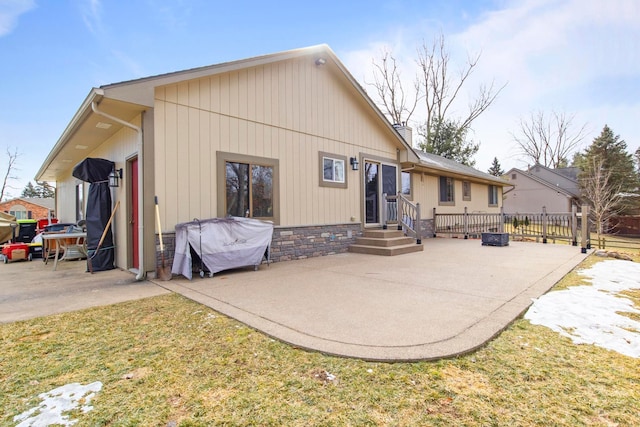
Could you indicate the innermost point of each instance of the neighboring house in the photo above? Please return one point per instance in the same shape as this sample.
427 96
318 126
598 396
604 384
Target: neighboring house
289 137
556 189
29 207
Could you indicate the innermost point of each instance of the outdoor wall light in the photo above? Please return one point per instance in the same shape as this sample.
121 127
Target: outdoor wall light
321 61
354 163
114 177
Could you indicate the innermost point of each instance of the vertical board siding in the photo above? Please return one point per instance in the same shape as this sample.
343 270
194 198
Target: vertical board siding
426 191
290 111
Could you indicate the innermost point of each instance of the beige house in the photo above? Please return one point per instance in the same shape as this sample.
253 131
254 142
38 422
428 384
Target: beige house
289 137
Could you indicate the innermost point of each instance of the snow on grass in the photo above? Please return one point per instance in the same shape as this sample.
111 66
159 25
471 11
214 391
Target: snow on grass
591 314
56 403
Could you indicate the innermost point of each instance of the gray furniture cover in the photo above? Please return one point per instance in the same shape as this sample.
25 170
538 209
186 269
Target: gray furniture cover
221 243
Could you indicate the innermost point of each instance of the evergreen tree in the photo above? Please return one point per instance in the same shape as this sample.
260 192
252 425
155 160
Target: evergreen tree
448 139
608 153
42 190
613 152
29 191
45 190
495 169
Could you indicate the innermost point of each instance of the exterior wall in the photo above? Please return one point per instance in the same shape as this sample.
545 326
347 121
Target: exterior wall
118 149
530 196
288 111
425 190
291 243
36 211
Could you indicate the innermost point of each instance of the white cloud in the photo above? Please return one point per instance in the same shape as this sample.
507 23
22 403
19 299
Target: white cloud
562 55
10 11
92 15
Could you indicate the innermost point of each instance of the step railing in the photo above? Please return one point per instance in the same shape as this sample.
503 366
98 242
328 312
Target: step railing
399 210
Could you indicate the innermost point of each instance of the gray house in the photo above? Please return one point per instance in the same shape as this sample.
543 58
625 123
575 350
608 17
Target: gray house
556 189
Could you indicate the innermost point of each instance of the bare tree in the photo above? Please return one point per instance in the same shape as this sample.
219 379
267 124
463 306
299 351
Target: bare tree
8 176
601 192
398 105
440 89
548 140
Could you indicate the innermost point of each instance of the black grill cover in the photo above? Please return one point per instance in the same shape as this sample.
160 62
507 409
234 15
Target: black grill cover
96 172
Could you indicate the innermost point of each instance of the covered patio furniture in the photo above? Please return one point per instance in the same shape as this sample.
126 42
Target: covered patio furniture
221 244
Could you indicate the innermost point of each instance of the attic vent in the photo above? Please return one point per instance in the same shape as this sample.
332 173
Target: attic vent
514 176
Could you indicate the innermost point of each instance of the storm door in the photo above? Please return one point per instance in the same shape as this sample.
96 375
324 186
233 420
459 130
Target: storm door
379 178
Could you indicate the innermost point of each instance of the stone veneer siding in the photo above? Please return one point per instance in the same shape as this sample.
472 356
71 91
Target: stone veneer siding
289 243
427 228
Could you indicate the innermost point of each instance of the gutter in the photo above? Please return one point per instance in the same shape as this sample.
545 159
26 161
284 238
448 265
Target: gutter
141 269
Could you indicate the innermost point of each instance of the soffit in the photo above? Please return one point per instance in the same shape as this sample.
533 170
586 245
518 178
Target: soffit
85 134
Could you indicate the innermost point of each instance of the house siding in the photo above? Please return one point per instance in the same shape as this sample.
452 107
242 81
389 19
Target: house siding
289 111
425 191
36 211
530 196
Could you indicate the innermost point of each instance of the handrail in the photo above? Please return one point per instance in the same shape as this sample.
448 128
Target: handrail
399 209
571 226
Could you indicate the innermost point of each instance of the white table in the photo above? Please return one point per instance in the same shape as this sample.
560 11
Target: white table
68 242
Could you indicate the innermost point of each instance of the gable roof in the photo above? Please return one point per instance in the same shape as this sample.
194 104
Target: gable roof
542 182
129 99
48 203
448 167
557 178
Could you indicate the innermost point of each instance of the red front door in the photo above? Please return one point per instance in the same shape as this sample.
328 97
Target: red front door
133 222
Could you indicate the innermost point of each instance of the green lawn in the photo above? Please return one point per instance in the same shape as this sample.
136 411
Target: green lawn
169 361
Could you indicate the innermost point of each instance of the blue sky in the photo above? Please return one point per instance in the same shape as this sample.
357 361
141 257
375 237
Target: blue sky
580 57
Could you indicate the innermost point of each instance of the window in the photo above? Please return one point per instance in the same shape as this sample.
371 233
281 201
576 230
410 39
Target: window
493 195
466 190
247 186
20 212
446 191
332 170
406 183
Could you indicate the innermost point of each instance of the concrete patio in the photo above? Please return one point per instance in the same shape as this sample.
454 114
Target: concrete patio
448 300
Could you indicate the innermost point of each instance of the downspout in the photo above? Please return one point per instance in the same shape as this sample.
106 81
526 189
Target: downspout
141 269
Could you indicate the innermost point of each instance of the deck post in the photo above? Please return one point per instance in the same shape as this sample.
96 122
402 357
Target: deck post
574 225
417 225
399 210
465 224
544 224
435 222
585 240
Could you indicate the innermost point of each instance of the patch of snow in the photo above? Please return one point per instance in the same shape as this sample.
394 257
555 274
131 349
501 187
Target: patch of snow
57 402
589 314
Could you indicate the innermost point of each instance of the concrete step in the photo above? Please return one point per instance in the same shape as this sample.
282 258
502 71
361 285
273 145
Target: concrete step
386 251
386 242
383 234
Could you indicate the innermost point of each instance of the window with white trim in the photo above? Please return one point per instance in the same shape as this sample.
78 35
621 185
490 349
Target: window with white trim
333 171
